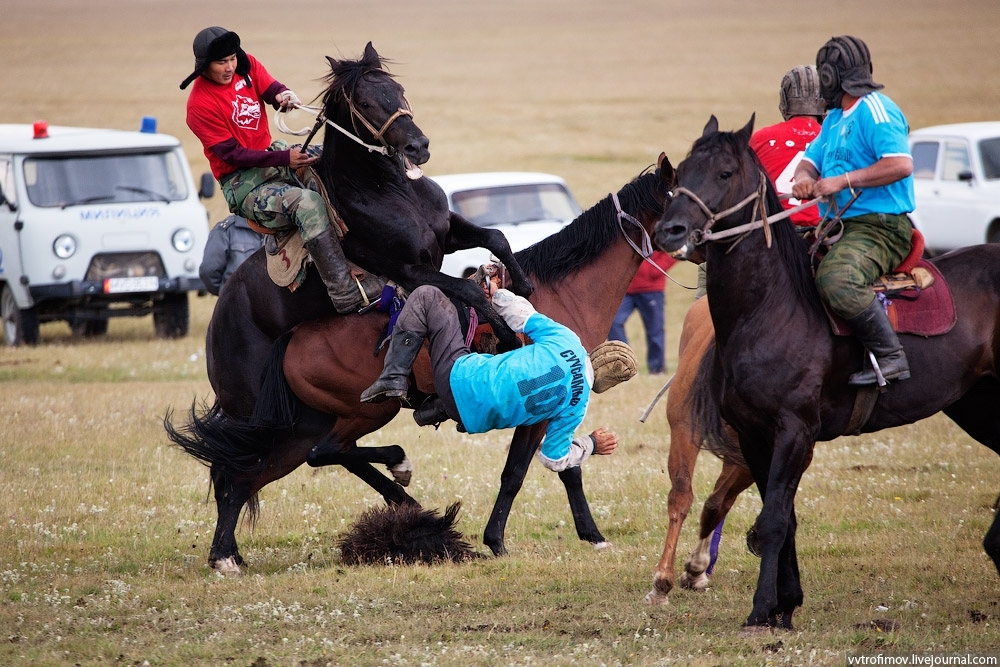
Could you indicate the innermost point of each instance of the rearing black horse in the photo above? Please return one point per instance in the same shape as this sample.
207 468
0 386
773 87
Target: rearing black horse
398 227
780 374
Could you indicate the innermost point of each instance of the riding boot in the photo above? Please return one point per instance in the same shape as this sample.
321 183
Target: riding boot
394 380
875 331
430 412
347 293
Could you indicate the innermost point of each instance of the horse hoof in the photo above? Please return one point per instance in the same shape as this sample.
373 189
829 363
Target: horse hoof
656 599
227 567
402 471
601 546
697 582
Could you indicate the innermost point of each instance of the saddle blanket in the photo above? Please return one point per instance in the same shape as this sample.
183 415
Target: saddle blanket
927 311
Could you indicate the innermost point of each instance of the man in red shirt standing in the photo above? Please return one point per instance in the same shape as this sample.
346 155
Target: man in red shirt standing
781 146
645 294
226 111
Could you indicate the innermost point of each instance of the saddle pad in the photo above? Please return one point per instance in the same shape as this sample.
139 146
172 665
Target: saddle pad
924 312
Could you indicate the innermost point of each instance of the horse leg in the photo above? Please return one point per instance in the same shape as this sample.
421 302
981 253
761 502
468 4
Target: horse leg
391 492
681 462
340 447
586 528
523 445
975 413
732 481
777 472
463 234
230 497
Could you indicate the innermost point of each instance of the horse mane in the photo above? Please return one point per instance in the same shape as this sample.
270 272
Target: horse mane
589 235
345 74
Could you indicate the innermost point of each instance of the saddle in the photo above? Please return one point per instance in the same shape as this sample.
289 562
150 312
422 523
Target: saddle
916 297
287 258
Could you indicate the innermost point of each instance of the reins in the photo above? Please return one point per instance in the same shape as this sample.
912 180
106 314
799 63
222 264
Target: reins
701 236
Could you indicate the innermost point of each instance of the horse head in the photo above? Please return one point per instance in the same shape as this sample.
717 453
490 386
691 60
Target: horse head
365 98
719 186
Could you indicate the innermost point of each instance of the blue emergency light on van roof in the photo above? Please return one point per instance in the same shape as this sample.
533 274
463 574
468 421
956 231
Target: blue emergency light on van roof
148 124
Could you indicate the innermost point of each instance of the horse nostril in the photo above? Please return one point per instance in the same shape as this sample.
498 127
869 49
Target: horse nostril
418 148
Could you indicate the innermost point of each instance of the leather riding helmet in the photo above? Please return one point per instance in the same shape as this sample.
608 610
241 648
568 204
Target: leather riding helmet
845 65
213 44
800 93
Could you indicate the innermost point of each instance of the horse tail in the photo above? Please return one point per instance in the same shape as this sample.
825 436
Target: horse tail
277 406
710 431
217 439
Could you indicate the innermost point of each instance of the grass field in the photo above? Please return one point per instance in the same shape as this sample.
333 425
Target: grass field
106 528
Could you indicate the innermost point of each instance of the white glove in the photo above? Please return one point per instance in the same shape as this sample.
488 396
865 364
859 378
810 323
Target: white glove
288 99
513 308
579 451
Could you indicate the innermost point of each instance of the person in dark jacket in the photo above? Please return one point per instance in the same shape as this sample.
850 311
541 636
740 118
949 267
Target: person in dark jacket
229 243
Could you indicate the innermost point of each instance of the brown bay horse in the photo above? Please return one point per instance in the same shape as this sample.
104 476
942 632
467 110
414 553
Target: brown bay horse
580 274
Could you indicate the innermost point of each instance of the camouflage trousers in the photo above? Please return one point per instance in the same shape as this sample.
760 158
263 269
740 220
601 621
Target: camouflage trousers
274 198
872 245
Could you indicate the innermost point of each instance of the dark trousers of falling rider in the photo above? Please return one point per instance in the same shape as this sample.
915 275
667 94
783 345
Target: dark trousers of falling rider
429 314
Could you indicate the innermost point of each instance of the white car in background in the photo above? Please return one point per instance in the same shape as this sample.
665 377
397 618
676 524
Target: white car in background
956 181
527 207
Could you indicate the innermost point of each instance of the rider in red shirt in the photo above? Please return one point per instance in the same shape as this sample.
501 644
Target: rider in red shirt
226 111
781 146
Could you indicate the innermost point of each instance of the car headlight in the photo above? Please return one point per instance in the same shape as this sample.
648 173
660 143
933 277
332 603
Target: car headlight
183 240
64 246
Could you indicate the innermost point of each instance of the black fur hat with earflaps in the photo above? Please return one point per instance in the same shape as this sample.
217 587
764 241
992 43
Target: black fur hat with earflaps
213 44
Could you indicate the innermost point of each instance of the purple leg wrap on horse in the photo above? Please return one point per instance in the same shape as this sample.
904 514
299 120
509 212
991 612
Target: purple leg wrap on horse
713 549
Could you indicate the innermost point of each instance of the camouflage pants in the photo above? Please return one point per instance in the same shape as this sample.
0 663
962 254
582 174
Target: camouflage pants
273 198
872 245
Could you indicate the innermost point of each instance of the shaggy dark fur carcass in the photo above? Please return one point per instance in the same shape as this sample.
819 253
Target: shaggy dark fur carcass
404 534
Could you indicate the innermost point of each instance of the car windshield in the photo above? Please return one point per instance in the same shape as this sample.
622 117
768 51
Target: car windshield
514 204
100 179
989 153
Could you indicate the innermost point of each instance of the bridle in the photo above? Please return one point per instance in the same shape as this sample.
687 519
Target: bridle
356 116
705 234
646 251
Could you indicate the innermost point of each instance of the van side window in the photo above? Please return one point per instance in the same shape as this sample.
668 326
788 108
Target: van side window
8 194
956 160
925 154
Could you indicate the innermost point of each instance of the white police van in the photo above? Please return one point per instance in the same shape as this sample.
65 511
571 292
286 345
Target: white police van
97 224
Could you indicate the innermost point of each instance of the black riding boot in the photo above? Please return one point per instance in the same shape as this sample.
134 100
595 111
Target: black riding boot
394 380
875 331
346 292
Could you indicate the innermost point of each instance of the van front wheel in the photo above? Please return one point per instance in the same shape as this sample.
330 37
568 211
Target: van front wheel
171 319
20 327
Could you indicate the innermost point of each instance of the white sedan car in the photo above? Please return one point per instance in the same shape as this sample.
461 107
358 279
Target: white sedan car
956 181
526 207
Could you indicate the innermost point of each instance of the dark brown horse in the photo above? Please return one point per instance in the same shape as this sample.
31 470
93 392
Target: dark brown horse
581 272
779 375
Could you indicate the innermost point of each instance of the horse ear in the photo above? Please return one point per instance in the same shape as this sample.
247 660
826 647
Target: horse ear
371 56
711 127
666 170
747 131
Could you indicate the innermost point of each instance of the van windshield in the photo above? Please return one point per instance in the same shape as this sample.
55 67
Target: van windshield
101 179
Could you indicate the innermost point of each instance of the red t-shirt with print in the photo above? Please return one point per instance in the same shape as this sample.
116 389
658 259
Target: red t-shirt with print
780 147
217 113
